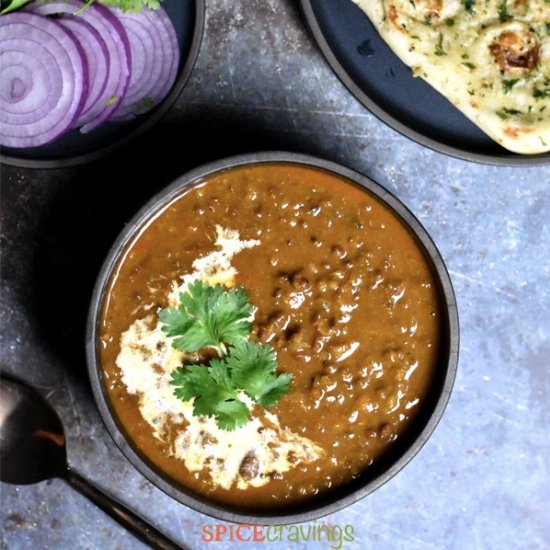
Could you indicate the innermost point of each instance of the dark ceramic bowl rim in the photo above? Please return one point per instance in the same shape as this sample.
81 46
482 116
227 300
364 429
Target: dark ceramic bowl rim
148 122
156 204
506 159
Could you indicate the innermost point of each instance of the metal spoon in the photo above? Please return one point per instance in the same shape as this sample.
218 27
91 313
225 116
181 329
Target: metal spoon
32 449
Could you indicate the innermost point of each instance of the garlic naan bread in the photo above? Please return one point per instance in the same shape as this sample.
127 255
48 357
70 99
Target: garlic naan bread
490 58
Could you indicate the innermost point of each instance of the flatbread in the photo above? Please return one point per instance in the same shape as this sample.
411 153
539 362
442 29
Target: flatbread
490 58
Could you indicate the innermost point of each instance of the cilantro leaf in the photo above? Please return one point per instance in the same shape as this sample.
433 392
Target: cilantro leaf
509 84
274 388
505 113
439 50
207 316
10 5
252 369
213 393
537 93
469 5
232 414
174 323
134 6
503 11
189 381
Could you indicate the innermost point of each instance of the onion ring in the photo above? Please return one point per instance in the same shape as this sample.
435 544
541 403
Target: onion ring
43 80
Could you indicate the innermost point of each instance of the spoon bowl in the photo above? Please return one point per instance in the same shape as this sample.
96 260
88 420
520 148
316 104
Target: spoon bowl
32 449
32 439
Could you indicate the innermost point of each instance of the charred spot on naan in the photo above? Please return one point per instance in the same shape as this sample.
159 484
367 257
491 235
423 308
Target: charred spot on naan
430 9
515 133
516 53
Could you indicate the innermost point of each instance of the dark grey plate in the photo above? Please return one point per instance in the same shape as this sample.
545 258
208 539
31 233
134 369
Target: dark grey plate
387 466
76 148
385 85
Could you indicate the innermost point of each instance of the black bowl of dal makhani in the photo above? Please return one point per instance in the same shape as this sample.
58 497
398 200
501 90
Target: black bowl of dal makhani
272 338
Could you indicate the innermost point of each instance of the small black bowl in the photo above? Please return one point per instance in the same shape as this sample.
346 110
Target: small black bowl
381 471
74 148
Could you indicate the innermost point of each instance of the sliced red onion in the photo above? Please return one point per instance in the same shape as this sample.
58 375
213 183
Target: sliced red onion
104 21
171 44
43 80
155 60
97 55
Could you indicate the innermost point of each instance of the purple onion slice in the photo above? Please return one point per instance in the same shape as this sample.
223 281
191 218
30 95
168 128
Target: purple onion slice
43 80
97 55
109 27
155 60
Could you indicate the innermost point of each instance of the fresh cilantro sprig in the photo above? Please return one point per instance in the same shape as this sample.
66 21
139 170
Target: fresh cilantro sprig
210 316
249 367
207 316
213 392
134 6
252 366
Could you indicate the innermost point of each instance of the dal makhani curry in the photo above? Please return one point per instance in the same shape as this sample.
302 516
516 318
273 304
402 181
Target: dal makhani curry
269 334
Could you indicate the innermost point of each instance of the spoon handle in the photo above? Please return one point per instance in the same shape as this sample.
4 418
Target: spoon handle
128 519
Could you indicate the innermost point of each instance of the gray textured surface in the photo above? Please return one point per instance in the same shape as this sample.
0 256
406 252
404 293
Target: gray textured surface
482 481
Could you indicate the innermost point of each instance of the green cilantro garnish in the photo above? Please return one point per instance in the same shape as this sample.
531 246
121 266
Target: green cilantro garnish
469 5
249 367
538 94
144 105
210 316
10 5
503 11
439 47
213 392
252 366
509 84
505 113
134 6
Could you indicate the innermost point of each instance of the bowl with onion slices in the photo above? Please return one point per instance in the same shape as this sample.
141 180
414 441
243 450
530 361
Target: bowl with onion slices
80 79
